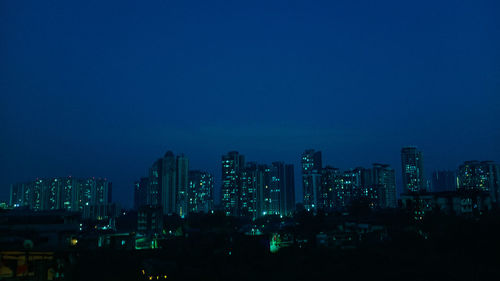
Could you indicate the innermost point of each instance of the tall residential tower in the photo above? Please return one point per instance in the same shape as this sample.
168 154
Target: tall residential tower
311 177
232 165
412 165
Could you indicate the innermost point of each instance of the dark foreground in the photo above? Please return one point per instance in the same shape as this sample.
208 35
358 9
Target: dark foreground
436 248
451 250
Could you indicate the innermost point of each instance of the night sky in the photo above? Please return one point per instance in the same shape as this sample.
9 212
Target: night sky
104 89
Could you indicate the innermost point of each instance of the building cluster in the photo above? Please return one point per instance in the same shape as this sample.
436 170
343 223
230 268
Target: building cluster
328 188
254 190
470 190
470 176
173 188
482 176
91 196
412 167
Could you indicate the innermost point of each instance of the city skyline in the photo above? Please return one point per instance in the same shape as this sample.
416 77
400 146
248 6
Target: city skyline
161 164
249 140
100 89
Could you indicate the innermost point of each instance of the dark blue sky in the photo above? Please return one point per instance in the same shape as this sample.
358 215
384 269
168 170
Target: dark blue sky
103 89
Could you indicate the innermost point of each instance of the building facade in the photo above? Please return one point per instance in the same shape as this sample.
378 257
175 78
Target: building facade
232 165
200 192
384 183
311 177
182 186
167 185
374 186
480 176
443 181
140 193
412 165
253 190
248 200
71 194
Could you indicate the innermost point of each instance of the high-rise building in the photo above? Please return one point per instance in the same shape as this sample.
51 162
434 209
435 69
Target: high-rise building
84 192
248 200
352 186
412 165
263 190
332 192
182 186
153 194
71 194
140 193
311 177
281 195
51 194
232 165
101 193
368 190
444 181
168 184
373 186
38 188
277 185
480 176
201 185
17 195
384 181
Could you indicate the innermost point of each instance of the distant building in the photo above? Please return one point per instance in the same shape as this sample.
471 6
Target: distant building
182 186
461 203
264 180
249 204
480 176
354 186
167 184
443 181
281 195
200 194
168 190
311 177
154 189
71 194
277 185
384 180
412 165
253 190
101 211
331 195
18 195
140 192
232 165
150 220
374 186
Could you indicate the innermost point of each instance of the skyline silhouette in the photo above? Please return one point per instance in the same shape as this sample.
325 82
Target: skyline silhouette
103 89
